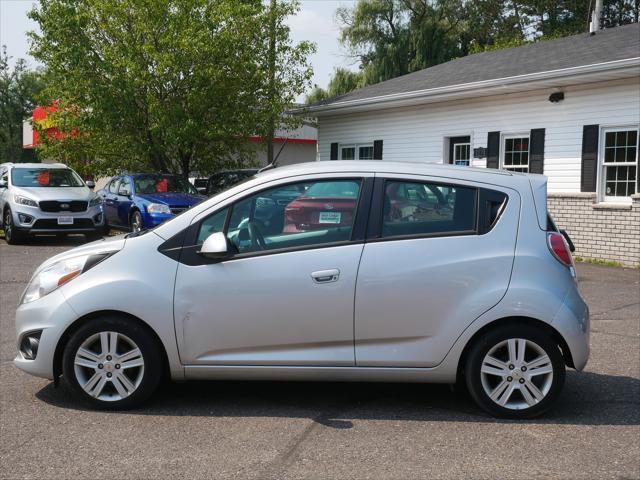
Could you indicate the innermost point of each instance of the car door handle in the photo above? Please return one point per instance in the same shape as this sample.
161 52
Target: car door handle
326 276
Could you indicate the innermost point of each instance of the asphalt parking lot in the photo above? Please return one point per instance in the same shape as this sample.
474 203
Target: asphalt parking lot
302 430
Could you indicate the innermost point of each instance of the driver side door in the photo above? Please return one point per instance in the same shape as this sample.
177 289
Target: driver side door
280 298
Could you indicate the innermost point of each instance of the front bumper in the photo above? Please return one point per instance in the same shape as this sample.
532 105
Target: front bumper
51 315
152 220
34 221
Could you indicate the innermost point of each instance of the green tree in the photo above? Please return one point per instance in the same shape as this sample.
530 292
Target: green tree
166 85
343 81
395 37
19 87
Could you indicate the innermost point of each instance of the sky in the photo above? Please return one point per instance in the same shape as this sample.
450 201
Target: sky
315 22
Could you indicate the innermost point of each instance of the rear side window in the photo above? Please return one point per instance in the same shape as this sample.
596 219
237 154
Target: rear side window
416 208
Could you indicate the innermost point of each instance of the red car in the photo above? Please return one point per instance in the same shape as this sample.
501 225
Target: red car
324 205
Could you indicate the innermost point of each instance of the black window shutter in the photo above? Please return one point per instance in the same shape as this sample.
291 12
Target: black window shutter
493 150
536 151
377 149
589 173
334 151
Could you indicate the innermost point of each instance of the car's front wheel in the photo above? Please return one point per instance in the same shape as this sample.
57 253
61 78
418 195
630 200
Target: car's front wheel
11 235
515 371
136 223
113 363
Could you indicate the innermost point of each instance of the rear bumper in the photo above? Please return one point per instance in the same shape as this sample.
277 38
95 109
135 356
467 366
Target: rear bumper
572 321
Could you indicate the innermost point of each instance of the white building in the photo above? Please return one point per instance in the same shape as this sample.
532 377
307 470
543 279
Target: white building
568 108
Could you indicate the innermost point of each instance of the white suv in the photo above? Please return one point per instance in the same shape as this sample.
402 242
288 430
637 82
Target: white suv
37 198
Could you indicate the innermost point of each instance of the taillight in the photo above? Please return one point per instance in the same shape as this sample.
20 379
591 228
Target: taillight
559 248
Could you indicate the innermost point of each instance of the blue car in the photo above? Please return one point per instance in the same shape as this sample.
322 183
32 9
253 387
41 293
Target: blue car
145 200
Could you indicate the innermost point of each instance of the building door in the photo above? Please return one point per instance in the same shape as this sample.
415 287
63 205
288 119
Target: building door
460 150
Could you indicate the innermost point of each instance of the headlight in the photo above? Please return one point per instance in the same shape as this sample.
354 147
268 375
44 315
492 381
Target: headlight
53 276
24 201
158 208
97 200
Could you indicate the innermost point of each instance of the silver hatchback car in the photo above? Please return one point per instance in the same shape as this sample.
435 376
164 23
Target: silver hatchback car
354 271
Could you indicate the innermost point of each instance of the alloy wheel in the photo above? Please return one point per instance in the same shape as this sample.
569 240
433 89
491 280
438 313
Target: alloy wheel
136 222
516 374
109 366
8 226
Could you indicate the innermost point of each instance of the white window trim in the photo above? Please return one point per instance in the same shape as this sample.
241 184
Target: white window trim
503 138
453 149
356 147
601 177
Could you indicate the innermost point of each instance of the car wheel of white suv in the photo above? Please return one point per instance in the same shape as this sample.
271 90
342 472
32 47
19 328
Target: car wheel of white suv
11 235
515 371
113 363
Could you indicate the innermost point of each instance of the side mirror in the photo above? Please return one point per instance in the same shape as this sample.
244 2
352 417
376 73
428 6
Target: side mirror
91 184
3 184
215 246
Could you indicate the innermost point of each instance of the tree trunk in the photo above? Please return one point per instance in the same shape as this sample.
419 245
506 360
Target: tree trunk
272 79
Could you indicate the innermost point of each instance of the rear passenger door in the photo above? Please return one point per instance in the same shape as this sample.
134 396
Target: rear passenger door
439 253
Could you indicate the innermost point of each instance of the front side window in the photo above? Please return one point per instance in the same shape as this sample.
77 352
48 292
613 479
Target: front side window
45 177
619 162
113 186
125 187
150 184
516 153
416 208
302 214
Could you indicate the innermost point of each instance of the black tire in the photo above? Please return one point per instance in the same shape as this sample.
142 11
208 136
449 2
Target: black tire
484 344
151 353
134 220
11 235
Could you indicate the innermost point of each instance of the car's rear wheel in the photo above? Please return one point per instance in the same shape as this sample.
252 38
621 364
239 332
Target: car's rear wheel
515 372
113 363
11 235
136 222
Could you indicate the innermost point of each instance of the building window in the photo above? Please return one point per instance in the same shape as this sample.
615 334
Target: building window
362 151
619 164
515 156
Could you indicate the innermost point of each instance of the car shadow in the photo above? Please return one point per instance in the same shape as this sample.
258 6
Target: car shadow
71 240
588 399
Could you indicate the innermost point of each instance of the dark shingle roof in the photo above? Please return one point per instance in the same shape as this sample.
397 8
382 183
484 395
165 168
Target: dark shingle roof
575 51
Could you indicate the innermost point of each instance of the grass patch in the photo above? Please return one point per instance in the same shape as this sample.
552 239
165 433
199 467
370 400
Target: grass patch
598 261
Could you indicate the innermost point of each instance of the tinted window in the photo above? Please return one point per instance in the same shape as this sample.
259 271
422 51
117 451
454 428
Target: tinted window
149 184
285 217
414 208
45 177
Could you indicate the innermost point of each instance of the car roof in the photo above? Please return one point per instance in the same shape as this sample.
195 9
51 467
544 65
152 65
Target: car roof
35 165
379 166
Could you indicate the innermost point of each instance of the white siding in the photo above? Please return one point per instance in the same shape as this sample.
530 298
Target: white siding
416 134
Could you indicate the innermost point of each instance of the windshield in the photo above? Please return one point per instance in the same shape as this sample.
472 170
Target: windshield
45 177
149 184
